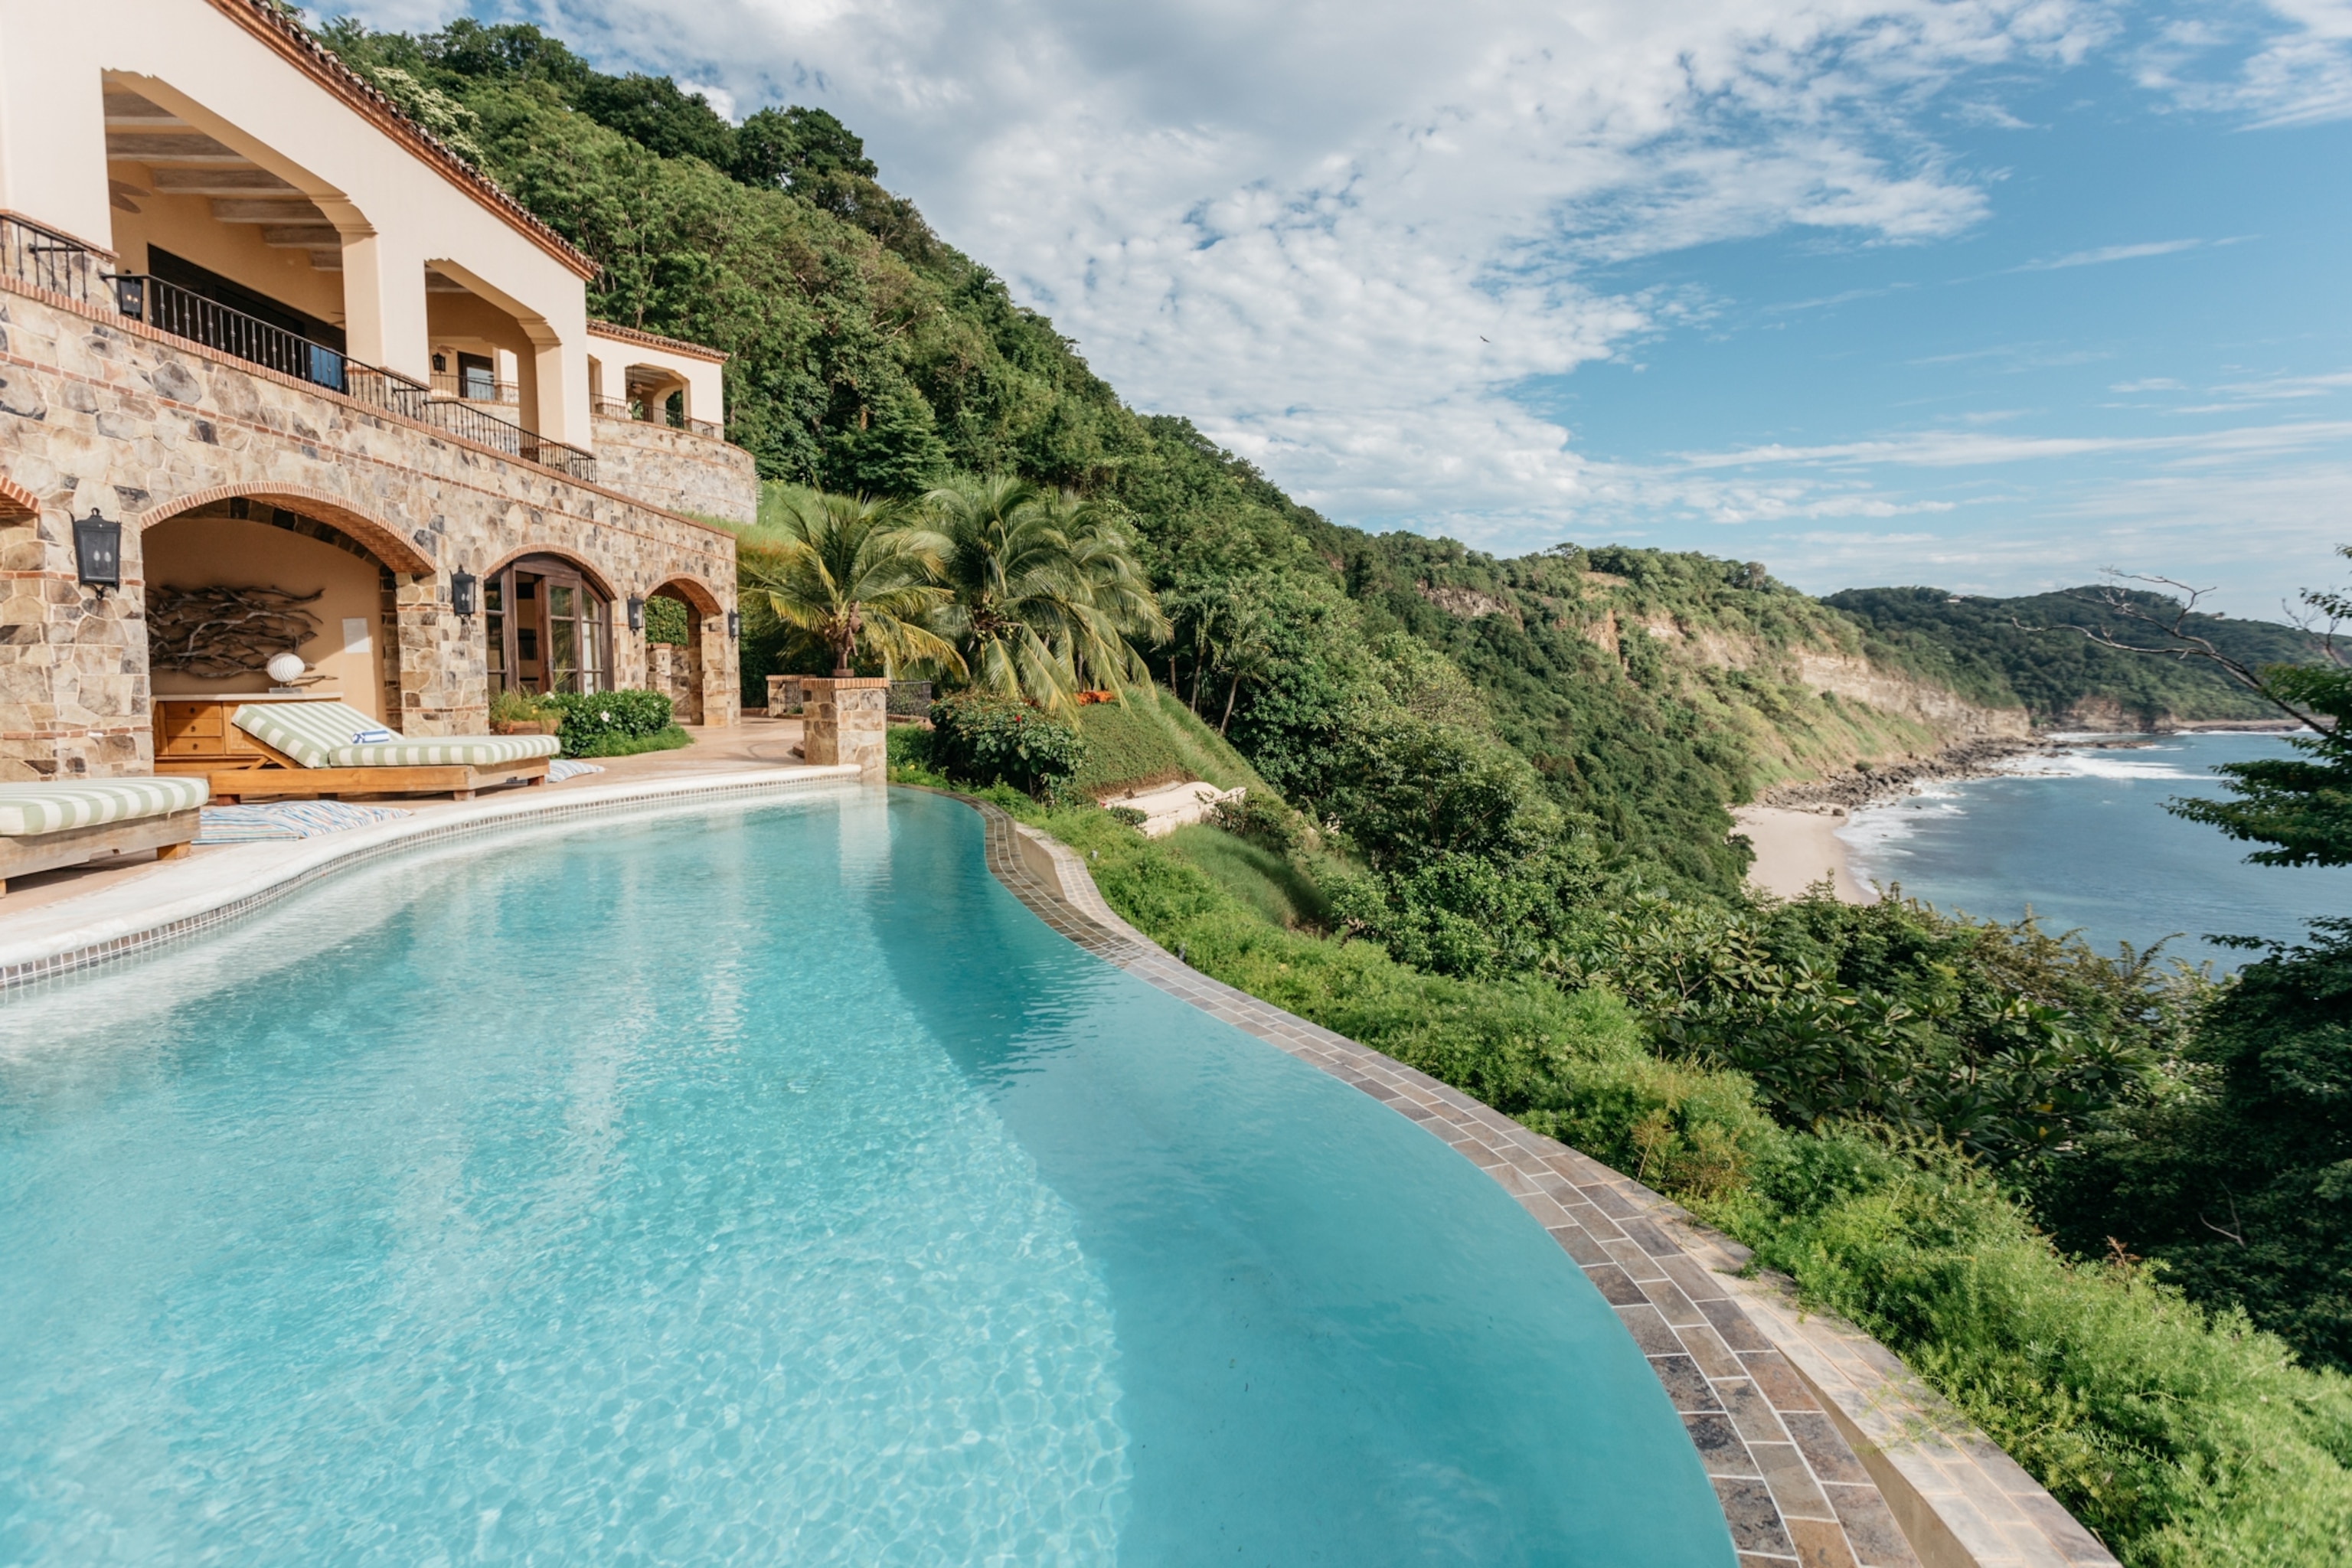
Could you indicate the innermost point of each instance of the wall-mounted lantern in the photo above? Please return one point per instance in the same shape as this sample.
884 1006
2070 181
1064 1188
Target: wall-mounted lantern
461 592
636 613
97 551
734 624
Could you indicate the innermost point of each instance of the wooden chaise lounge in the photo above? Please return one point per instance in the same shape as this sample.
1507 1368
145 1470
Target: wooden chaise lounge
47 826
313 753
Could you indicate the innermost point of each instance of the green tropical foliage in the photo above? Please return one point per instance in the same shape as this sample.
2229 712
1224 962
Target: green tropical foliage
984 737
1043 591
850 573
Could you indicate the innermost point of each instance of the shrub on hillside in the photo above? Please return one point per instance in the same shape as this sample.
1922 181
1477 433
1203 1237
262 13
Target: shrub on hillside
981 738
2181 1437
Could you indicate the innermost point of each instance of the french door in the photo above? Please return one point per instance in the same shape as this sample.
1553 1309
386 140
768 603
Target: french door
549 628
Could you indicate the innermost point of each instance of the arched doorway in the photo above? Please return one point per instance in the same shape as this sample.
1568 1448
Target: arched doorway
233 581
548 625
678 643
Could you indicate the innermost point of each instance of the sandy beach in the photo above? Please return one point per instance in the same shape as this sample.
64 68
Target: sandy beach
1796 847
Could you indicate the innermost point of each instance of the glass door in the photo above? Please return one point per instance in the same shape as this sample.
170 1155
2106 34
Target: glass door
550 629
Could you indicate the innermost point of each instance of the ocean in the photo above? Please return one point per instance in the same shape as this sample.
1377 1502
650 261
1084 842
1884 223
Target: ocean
2082 841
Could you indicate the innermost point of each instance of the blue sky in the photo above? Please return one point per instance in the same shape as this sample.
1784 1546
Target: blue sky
1985 293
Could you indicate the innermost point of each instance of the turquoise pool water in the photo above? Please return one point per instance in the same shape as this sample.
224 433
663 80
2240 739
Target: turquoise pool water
758 1186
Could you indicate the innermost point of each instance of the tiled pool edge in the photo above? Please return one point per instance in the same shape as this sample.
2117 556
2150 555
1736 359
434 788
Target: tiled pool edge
337 854
1808 1428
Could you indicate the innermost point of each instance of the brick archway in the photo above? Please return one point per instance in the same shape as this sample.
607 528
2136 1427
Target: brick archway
404 583
588 573
684 675
694 590
385 543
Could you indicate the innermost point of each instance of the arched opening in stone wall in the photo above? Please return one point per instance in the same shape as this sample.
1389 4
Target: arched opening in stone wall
677 645
546 622
233 582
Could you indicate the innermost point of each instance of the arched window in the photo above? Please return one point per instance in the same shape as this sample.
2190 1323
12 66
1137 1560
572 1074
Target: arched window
549 628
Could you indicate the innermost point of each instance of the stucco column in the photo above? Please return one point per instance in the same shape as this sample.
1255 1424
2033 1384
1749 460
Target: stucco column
556 396
383 306
847 720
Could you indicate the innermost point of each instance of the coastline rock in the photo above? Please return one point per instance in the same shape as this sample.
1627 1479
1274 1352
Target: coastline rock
1869 785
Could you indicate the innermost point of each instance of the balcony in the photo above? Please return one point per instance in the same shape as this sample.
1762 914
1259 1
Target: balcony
44 260
616 408
469 388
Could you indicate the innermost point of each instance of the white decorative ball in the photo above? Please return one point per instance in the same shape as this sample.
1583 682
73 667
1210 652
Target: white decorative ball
286 667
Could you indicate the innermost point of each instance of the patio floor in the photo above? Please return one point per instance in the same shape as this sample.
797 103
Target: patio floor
756 742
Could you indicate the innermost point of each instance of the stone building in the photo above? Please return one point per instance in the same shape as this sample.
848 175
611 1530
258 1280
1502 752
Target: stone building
336 391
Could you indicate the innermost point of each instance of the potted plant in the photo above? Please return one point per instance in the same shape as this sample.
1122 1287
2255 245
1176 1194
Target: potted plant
519 714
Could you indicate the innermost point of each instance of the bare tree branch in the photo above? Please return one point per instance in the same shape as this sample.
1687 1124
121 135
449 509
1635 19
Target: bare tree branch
2165 633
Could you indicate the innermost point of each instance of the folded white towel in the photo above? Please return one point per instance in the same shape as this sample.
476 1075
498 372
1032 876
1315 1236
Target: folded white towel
374 736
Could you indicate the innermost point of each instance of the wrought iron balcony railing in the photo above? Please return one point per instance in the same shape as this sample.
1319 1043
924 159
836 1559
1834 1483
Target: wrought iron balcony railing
475 388
614 409
45 259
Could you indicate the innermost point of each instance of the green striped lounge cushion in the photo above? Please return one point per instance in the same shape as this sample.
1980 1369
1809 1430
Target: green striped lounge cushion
32 808
320 735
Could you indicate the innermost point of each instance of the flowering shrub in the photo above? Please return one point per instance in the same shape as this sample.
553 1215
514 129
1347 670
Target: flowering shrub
979 738
594 720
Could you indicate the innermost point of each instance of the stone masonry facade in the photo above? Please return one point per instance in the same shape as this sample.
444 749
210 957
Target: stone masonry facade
678 468
100 413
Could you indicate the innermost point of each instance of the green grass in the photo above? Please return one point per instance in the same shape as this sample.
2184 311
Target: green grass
1277 890
2181 1437
1152 738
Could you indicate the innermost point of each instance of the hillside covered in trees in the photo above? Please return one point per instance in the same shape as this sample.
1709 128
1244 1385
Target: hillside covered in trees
2041 652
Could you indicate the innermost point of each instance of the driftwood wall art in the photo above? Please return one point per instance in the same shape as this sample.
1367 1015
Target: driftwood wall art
215 633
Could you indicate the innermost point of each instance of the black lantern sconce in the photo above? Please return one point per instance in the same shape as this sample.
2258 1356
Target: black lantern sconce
734 624
462 586
97 551
636 613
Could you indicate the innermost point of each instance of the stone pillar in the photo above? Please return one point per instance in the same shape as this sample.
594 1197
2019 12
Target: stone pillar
847 720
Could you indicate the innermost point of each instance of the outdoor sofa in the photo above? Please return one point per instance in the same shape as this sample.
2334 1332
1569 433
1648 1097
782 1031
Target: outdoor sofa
45 827
314 750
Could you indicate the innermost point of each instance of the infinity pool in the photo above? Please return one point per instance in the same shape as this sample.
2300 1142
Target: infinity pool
756 1186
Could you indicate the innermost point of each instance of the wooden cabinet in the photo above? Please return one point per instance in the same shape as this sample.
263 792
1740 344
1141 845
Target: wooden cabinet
194 735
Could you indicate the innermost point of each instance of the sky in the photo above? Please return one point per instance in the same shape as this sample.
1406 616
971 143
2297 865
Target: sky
1987 294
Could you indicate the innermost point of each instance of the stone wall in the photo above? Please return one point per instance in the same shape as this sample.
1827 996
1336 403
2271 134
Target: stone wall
847 720
105 413
670 670
677 468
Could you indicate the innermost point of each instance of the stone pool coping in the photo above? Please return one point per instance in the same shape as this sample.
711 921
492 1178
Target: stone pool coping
182 899
1822 1448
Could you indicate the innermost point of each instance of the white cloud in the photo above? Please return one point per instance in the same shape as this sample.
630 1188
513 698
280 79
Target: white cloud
1962 449
2297 72
2105 253
1342 236
1297 223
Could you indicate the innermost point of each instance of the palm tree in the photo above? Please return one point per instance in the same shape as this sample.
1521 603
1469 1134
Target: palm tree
1047 591
851 573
